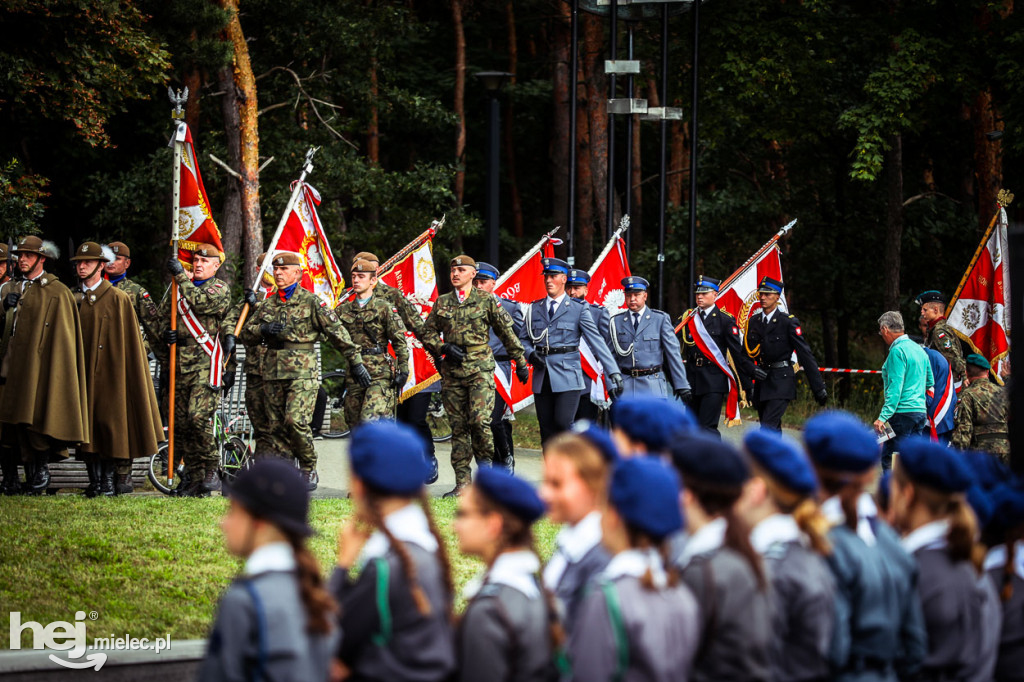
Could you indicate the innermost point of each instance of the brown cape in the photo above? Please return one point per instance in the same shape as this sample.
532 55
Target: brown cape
45 363
124 413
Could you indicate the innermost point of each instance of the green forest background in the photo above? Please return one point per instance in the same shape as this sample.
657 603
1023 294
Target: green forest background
865 120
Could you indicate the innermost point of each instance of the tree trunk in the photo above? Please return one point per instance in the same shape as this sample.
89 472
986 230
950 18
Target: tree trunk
249 141
193 82
894 223
373 132
988 160
231 224
510 147
562 83
460 101
597 93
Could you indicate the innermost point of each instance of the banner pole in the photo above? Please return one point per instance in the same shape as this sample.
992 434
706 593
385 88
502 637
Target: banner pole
623 226
178 99
529 254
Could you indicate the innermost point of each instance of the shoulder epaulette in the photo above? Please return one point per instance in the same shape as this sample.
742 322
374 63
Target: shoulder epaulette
620 311
792 316
726 312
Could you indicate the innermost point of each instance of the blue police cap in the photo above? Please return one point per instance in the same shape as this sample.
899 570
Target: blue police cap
982 505
599 438
554 266
652 420
839 441
705 284
633 283
389 457
934 465
645 493
884 492
930 296
513 493
770 285
577 276
782 459
702 456
485 271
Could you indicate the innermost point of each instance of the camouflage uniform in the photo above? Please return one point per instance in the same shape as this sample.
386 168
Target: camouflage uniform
405 308
468 390
371 326
981 419
941 338
289 367
147 313
255 403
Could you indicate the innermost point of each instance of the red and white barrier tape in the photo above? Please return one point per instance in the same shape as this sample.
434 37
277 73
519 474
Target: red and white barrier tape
850 371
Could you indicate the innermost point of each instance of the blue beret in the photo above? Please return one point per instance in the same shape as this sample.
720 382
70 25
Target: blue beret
389 457
783 459
770 285
1007 505
934 465
645 493
599 438
978 361
702 456
554 266
510 492
981 504
839 441
705 284
989 471
632 283
652 420
577 276
485 271
884 492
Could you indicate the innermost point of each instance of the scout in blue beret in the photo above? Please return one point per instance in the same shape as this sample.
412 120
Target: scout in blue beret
267 525
883 495
789 532
718 560
403 559
510 622
838 441
647 424
929 503
1004 566
637 621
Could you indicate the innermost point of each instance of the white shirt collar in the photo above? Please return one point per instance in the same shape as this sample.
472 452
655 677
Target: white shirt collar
929 536
635 563
996 558
707 539
408 524
94 287
517 570
773 530
572 543
273 556
707 309
558 300
832 509
770 315
640 313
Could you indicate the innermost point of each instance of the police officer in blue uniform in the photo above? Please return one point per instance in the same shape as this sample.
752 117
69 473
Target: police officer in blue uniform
551 334
501 428
772 338
646 347
708 383
578 286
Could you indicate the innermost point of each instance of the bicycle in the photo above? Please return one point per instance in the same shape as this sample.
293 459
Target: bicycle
235 455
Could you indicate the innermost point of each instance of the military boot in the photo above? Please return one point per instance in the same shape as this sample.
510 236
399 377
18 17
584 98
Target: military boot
106 467
38 480
123 484
457 490
312 479
184 482
211 481
93 469
11 484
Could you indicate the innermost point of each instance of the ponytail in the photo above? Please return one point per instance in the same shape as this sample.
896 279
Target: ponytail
419 597
963 529
848 487
813 524
721 501
316 599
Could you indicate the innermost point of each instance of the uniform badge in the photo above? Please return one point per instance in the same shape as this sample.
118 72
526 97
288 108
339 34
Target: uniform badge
798 331
735 330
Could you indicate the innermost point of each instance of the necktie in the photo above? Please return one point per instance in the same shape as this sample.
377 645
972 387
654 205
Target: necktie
703 316
764 318
551 312
636 320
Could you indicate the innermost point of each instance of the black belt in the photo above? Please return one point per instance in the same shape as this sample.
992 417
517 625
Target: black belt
502 358
373 350
643 371
556 350
291 345
985 436
779 365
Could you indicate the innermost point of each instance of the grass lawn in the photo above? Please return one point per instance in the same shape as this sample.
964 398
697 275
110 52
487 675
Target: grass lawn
148 566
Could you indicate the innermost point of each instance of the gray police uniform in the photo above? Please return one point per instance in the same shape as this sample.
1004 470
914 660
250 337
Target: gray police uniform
504 632
587 408
501 429
647 352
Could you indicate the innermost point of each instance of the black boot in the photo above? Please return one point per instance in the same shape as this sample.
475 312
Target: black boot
39 480
123 484
312 479
92 467
211 482
11 484
184 482
106 477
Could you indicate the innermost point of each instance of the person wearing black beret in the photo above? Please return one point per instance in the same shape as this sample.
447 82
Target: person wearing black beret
638 621
788 531
880 634
510 628
276 621
396 616
719 564
930 507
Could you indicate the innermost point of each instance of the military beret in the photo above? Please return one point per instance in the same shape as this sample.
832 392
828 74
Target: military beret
273 489
769 285
577 276
364 266
462 260
635 284
705 284
207 251
486 271
389 457
782 459
982 505
704 457
554 266
934 465
838 441
366 255
599 438
652 420
89 251
260 258
511 492
645 493
930 296
120 249
286 258
978 361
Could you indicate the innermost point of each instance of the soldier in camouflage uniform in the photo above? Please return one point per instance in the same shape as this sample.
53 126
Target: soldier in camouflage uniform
465 318
195 398
938 334
145 308
981 412
289 323
372 322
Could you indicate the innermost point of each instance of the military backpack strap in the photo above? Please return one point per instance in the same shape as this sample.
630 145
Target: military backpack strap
611 601
383 637
261 632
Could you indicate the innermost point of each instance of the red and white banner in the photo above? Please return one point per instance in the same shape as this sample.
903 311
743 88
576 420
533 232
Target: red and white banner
303 234
195 222
710 349
979 313
739 299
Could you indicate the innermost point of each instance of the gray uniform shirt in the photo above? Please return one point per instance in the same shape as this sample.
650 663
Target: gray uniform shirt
652 344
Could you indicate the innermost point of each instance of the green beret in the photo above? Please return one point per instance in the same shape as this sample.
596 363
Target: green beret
977 361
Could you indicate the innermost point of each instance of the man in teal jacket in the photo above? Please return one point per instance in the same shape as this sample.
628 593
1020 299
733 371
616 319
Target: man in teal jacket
907 376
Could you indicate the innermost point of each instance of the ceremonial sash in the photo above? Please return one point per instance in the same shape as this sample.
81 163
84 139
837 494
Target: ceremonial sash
942 406
710 349
595 370
503 382
210 345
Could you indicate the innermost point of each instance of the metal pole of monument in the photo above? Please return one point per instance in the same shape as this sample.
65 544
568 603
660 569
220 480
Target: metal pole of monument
574 39
610 198
693 152
663 159
493 174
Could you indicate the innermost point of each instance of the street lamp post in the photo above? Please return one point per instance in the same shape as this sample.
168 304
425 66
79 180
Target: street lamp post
493 82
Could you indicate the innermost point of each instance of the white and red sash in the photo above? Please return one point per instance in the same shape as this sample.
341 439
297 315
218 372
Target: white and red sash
210 345
595 370
710 349
946 398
